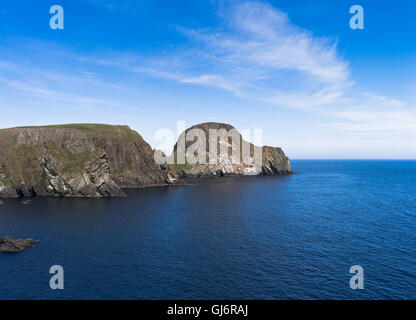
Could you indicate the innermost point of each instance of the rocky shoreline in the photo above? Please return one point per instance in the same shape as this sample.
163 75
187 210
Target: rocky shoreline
99 160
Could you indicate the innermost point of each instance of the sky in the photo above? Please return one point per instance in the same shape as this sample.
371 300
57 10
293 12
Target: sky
293 69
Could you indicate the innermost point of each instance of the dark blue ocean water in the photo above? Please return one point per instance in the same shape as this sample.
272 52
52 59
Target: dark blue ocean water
291 237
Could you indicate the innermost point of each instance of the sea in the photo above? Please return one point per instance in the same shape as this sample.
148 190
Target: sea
277 237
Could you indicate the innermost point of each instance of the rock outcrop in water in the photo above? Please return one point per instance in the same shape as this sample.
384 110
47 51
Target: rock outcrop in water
261 161
10 245
80 160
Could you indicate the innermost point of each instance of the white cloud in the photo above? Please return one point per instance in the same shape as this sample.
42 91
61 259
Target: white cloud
258 43
262 38
257 54
212 80
386 122
261 55
205 78
39 91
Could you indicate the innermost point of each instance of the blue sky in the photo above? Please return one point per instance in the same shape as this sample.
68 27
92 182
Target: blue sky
294 69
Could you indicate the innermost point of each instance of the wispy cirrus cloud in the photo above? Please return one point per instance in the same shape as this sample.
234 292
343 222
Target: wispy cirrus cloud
261 54
377 114
213 80
255 53
258 53
258 39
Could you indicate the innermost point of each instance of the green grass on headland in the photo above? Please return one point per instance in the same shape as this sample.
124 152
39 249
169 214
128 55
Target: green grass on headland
96 128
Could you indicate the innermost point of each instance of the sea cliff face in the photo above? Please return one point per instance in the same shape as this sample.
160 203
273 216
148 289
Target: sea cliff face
97 160
82 160
239 157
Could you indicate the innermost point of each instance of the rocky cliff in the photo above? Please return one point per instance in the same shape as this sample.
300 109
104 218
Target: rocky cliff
97 160
79 160
219 150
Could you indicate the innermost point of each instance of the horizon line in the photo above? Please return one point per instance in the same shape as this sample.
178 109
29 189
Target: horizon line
356 159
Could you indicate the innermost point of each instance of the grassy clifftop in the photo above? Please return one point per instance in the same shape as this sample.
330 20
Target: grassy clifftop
94 128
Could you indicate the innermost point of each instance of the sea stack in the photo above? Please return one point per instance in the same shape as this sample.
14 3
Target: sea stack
269 160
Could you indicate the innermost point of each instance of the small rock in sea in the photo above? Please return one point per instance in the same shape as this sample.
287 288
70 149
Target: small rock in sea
1 202
26 202
10 245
